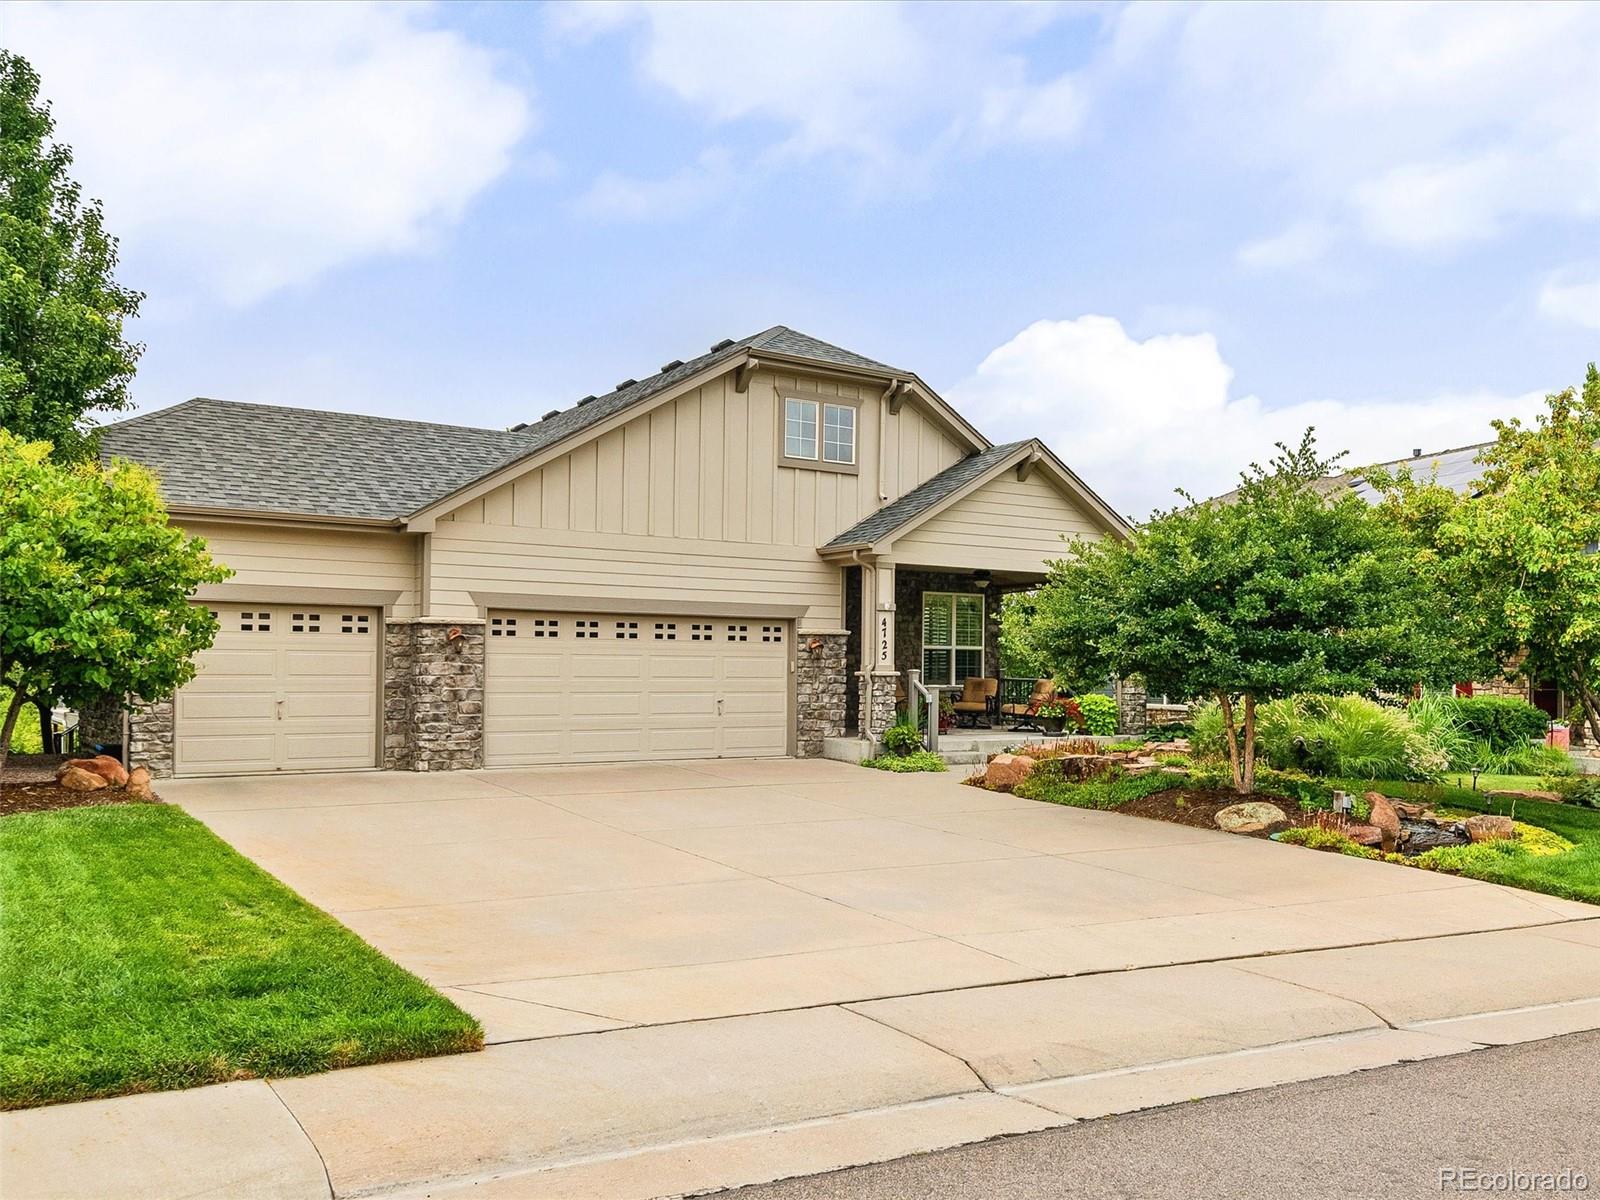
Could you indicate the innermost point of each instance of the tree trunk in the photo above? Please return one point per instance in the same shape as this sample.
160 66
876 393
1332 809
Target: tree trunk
1588 708
9 723
46 729
1249 743
1231 733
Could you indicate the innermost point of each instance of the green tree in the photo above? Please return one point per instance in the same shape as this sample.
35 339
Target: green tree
63 354
95 581
1527 547
1283 589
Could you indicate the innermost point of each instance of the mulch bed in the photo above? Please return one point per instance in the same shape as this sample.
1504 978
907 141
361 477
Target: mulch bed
28 784
1199 808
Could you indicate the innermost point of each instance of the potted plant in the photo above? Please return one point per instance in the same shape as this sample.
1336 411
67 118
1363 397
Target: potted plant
947 712
1052 715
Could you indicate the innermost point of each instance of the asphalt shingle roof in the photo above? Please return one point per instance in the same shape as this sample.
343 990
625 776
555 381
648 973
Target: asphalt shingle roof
228 455
924 496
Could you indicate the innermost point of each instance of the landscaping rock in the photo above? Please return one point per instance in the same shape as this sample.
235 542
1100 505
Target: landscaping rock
1007 770
1386 819
1486 828
103 765
76 779
1529 794
1364 835
1409 810
139 784
1252 816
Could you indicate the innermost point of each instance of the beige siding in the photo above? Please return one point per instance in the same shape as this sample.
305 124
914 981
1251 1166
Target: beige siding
686 502
1005 525
284 556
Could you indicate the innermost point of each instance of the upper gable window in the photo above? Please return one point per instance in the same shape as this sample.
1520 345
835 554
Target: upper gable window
818 432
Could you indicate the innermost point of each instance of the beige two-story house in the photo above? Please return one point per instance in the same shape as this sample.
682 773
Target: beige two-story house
738 555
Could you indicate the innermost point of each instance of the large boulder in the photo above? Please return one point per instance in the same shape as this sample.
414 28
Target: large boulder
1252 816
76 779
1486 828
1386 819
1007 770
1364 835
139 784
103 765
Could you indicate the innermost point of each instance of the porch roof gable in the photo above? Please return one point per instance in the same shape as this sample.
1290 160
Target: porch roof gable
931 497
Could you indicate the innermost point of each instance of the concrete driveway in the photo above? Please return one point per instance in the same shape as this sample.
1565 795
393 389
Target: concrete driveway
711 973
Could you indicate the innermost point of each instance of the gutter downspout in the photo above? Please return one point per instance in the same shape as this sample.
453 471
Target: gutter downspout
868 623
883 438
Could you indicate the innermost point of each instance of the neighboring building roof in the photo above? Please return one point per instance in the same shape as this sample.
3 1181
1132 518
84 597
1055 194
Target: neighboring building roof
903 511
228 455
1456 469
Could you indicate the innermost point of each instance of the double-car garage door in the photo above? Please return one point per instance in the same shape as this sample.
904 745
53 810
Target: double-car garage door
602 687
295 687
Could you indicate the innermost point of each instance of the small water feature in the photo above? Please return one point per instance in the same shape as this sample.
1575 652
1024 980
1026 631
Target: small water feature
1419 834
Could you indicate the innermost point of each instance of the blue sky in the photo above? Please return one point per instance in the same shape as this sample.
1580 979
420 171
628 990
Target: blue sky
1161 237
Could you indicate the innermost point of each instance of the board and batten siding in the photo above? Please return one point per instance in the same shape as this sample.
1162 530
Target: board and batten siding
687 503
1005 525
288 556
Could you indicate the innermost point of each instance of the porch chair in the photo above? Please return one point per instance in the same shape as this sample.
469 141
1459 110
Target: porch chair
1025 716
977 698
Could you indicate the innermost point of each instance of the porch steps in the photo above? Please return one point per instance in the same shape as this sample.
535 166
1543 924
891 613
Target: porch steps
960 748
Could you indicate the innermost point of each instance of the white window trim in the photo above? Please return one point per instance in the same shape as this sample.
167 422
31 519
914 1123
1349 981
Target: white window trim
816 425
822 434
954 646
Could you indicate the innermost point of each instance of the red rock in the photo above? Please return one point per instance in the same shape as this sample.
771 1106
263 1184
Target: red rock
1530 794
1364 835
1007 770
1486 828
76 779
1386 819
103 765
139 784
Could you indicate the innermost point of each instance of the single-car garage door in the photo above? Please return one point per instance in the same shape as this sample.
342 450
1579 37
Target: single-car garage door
286 687
589 687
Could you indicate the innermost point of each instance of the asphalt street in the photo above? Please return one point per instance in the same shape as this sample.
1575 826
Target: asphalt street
1511 1113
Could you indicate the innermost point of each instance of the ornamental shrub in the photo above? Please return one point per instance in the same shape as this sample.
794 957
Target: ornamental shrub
1099 714
1505 722
902 738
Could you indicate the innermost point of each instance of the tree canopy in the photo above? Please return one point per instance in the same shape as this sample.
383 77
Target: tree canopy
1528 545
1284 587
96 582
63 352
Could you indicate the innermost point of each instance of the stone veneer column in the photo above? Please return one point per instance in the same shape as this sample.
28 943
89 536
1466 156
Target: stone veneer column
820 689
150 737
1131 701
877 702
433 694
100 722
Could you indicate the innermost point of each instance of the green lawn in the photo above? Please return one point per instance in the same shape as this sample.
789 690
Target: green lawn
1494 783
138 952
1574 875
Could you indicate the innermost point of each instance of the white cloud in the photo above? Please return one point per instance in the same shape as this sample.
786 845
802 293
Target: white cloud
617 197
1137 419
1427 127
1563 298
882 82
253 147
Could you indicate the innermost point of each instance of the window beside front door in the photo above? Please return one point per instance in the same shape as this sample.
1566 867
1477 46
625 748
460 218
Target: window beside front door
815 432
952 637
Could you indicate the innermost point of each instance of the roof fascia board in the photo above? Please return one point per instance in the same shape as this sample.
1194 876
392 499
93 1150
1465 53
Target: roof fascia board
424 519
1068 480
253 516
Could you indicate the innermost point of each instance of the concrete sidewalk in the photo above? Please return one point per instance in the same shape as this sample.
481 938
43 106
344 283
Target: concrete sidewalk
711 974
672 1108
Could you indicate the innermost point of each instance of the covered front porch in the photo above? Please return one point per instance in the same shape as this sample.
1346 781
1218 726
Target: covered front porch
930 623
923 579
